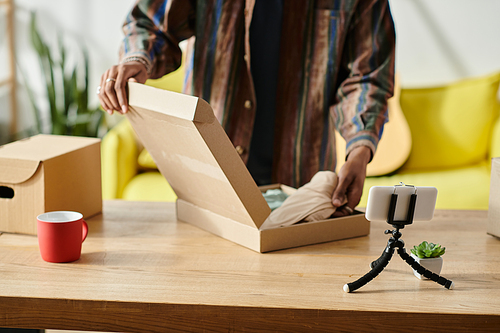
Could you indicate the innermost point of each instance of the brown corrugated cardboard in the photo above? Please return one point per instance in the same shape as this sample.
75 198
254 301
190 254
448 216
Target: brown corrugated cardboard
47 173
214 188
494 204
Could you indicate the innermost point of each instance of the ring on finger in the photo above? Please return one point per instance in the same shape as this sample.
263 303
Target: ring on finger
349 209
110 80
98 90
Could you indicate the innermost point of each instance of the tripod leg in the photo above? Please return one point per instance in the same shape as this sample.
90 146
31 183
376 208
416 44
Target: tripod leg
376 269
448 284
375 262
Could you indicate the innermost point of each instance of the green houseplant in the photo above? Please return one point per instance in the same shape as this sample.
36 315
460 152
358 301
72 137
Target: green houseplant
428 255
67 91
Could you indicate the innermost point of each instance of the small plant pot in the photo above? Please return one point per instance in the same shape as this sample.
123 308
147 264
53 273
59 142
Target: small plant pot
432 264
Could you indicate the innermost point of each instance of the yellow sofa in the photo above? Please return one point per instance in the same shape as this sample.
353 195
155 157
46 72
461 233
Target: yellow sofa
455 131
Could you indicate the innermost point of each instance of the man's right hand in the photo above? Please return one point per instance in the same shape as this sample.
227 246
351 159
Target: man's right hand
112 92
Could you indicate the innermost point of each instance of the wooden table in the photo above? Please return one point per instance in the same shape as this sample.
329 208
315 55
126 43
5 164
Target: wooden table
142 271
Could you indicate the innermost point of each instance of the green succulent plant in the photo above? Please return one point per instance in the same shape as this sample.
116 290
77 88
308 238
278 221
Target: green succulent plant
428 250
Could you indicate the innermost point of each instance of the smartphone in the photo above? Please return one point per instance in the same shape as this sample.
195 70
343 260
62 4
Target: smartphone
379 197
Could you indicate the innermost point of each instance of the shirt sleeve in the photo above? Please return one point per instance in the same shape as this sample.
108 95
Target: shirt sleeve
368 76
153 30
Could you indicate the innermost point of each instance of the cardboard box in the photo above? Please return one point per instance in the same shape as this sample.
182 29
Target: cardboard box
214 188
47 173
494 204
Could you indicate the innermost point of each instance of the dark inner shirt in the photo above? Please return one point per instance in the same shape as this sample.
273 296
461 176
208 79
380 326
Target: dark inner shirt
265 31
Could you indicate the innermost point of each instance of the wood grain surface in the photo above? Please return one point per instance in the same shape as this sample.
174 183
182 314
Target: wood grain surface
143 271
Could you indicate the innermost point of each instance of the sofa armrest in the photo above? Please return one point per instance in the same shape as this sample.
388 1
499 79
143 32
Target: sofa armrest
119 154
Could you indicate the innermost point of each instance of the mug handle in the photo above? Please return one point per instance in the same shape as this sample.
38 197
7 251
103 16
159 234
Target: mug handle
85 229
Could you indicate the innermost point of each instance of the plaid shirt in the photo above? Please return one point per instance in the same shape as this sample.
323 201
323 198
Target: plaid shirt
336 71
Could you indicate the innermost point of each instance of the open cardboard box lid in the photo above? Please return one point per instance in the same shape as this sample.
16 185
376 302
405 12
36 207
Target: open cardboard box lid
214 188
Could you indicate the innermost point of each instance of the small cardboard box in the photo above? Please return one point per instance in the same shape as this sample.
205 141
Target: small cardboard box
214 188
47 173
494 204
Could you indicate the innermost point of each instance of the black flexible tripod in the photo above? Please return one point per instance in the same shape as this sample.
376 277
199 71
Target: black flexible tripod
378 265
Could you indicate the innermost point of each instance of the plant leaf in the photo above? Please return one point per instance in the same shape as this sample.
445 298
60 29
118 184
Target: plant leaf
36 40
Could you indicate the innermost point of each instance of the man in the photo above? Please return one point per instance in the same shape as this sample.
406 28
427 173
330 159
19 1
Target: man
280 76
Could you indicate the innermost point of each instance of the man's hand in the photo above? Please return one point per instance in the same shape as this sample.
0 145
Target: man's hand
351 179
112 93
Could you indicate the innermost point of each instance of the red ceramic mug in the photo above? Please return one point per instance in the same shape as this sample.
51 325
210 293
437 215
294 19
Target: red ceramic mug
60 235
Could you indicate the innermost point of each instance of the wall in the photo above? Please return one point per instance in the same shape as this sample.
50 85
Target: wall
440 41
437 41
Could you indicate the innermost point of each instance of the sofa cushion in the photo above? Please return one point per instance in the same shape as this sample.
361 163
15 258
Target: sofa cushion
149 186
145 160
451 125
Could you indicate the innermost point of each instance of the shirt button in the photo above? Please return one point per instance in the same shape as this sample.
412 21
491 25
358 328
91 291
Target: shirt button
248 104
245 57
246 12
240 150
